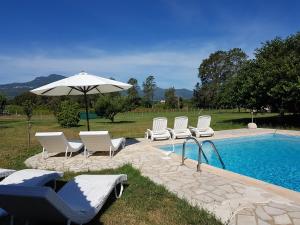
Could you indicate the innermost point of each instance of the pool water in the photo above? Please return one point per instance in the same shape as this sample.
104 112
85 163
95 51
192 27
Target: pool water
273 158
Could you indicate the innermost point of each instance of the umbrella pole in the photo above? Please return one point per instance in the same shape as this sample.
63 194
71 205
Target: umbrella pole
86 111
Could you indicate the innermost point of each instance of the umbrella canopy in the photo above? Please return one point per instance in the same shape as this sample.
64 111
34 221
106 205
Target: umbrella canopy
81 84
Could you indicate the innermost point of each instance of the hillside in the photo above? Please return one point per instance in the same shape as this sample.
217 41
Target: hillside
13 89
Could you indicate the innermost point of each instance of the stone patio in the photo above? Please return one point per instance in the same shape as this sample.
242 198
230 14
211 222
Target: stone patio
231 197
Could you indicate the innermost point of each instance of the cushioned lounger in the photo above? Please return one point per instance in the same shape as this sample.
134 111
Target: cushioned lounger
5 172
29 177
78 201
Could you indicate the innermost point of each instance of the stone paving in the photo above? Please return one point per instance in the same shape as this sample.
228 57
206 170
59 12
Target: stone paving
232 200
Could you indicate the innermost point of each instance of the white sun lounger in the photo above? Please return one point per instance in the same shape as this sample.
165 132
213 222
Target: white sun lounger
5 172
30 177
95 141
79 201
159 129
180 129
203 128
56 142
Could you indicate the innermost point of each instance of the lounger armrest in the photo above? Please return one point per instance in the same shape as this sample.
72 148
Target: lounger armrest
190 127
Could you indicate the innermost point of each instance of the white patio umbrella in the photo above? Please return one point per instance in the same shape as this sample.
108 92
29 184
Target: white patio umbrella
81 84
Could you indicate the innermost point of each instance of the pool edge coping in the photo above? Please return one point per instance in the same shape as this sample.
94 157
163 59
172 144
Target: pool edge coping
279 190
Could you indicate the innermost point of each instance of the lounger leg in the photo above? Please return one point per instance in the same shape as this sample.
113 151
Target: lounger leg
121 191
11 220
110 149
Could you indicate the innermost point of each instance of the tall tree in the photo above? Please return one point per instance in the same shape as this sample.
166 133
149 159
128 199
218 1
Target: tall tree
149 86
3 102
214 71
171 98
133 94
133 91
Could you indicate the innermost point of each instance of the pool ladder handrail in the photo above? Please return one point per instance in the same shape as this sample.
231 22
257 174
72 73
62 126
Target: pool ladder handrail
215 150
201 152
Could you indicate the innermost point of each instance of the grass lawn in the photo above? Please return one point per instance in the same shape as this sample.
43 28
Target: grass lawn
143 201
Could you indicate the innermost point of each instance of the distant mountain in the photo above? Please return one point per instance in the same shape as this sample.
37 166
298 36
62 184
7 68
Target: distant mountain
159 93
13 89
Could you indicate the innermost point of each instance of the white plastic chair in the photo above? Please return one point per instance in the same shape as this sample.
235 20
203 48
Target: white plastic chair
203 128
180 129
159 129
95 141
56 142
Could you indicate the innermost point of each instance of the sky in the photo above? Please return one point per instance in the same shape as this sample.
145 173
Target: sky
133 38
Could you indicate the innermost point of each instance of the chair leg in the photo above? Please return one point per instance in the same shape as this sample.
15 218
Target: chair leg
69 222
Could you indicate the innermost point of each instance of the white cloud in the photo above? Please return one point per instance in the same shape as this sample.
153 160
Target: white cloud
171 68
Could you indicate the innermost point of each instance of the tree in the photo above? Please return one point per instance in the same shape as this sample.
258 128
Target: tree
214 71
272 79
108 106
171 98
28 110
3 102
148 88
68 114
133 93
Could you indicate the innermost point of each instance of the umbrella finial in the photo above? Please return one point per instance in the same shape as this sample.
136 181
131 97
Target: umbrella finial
83 72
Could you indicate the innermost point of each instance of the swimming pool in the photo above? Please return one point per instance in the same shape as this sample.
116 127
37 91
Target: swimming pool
273 158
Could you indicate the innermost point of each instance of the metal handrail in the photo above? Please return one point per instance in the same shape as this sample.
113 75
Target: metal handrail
215 150
200 152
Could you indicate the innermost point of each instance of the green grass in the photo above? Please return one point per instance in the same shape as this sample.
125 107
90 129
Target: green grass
143 202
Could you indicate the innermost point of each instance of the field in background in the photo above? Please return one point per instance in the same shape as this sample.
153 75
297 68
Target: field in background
143 202
13 131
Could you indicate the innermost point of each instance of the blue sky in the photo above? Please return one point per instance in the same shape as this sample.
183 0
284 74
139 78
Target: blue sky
133 38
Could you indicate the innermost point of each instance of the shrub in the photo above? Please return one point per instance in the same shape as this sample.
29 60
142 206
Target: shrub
108 106
68 114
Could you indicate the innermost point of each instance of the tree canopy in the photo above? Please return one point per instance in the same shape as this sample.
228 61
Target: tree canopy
270 80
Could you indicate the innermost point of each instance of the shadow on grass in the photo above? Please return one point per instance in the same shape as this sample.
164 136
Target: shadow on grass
288 121
116 122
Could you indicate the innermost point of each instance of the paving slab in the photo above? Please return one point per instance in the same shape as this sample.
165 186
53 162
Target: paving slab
230 198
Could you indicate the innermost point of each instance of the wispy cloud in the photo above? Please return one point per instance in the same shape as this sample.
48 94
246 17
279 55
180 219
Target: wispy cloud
171 68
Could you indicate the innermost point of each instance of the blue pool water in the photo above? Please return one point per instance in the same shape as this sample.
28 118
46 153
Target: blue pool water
273 158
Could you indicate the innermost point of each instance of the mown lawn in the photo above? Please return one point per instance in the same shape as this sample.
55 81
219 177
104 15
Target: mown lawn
143 201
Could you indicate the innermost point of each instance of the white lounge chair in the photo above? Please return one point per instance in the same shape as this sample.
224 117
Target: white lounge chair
79 201
203 128
180 129
159 129
95 141
5 172
30 178
56 142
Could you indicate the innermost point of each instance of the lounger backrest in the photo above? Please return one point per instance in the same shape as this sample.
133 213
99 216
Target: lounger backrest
181 123
52 141
203 122
160 124
96 140
34 203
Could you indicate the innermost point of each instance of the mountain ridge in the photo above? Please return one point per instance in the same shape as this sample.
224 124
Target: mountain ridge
16 88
